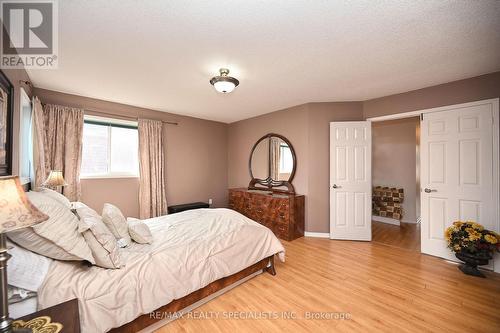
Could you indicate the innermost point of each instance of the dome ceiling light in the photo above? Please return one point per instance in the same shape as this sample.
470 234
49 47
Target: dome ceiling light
224 83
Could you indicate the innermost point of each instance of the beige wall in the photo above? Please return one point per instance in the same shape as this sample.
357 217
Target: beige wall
462 91
196 157
242 135
204 158
307 128
319 117
394 161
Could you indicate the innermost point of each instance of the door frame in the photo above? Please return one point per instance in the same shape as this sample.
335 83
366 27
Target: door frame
494 102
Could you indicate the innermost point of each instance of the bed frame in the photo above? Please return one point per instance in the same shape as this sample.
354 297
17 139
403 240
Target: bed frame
266 264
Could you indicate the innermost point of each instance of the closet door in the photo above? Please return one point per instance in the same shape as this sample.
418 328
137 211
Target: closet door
350 180
458 178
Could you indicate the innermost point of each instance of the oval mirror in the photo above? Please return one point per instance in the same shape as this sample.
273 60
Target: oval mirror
272 163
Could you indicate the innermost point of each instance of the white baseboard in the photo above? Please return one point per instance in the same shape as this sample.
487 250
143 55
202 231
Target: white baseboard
317 234
409 221
386 220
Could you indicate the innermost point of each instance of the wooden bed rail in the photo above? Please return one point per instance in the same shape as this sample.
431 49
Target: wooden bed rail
266 264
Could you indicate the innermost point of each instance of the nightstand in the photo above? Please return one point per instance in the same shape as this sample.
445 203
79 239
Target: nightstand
62 317
180 208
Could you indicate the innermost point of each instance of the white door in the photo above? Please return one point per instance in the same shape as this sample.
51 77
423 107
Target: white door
457 172
350 180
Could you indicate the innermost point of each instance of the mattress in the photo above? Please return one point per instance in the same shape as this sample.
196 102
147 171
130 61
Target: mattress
190 250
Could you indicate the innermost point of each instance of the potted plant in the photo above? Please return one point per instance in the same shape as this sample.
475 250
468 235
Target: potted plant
472 244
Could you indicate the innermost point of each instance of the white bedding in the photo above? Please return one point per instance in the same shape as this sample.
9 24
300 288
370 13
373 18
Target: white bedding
23 308
190 250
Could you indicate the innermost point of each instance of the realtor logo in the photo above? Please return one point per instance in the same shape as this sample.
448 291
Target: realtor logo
29 34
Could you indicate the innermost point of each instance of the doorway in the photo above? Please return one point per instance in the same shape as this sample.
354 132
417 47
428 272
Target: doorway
395 183
459 173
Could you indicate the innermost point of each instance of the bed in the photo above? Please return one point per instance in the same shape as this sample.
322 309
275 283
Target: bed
194 254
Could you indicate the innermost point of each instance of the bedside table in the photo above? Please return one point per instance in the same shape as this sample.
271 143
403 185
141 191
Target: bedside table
180 208
62 317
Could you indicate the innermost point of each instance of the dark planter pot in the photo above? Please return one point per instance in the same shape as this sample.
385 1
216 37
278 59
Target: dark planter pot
471 261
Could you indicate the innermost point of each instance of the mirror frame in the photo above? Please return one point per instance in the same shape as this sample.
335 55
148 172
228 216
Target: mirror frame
269 183
6 168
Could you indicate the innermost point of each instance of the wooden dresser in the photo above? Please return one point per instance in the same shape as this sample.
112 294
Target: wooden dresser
282 213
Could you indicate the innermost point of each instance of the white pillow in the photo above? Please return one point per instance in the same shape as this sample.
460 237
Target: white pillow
100 240
26 269
58 237
116 223
139 231
56 196
85 211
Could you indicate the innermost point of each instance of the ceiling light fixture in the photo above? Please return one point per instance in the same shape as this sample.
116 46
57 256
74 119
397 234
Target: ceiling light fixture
224 83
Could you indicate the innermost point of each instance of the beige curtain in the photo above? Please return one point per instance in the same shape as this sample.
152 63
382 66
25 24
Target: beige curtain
38 143
274 146
58 133
152 198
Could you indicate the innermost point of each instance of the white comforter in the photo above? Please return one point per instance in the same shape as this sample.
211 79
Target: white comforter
190 250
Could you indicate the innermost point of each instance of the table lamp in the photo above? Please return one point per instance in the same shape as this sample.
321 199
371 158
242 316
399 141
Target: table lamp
55 179
16 212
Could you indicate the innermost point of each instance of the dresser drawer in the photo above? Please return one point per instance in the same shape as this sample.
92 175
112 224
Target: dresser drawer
283 214
282 230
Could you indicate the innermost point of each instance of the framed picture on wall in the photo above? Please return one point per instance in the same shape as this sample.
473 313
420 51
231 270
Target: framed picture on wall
6 105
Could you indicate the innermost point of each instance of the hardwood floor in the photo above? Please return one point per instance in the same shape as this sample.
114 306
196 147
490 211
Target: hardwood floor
406 236
382 288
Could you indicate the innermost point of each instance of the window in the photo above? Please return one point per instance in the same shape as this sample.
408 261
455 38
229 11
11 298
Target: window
25 140
286 159
110 148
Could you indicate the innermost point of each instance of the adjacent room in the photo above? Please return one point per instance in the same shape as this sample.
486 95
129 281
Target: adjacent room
249 166
396 185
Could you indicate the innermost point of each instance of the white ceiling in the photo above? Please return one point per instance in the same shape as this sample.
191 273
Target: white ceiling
161 54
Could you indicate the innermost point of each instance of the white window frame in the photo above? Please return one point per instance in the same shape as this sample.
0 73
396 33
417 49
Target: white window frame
24 100
282 148
111 175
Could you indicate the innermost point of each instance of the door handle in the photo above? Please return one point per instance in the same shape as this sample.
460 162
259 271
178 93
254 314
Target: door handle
428 190
335 186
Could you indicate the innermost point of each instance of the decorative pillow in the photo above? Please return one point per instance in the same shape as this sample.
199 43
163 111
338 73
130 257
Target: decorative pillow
56 196
26 269
139 231
85 211
100 239
116 223
58 237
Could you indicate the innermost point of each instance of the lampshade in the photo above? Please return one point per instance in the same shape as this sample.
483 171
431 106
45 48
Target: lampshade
55 179
224 83
16 211
224 86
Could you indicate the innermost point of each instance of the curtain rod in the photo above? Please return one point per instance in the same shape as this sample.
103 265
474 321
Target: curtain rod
128 117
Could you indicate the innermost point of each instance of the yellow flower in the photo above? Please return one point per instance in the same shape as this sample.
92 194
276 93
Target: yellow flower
474 235
491 239
475 225
456 247
458 224
448 232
